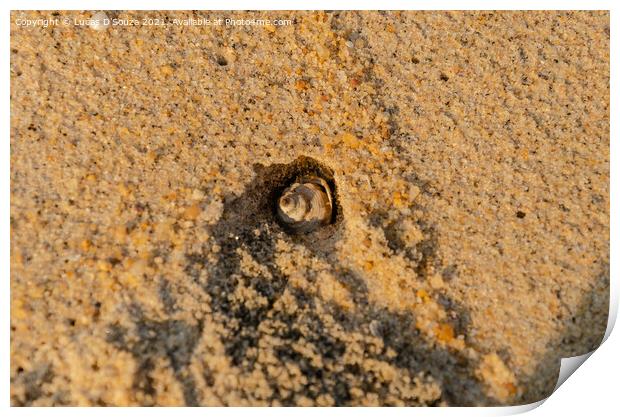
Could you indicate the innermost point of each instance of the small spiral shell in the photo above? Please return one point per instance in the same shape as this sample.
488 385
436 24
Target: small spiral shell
305 205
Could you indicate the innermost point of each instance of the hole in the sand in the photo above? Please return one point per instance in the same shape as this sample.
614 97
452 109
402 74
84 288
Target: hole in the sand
251 220
283 176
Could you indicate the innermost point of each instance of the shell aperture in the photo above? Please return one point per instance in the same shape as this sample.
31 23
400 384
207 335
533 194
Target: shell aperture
305 205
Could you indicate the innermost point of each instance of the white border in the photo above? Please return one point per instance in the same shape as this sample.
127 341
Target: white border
593 389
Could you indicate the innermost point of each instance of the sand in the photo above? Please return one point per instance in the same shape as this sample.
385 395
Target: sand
469 251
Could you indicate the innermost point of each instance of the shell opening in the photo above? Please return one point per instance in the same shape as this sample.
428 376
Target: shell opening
306 205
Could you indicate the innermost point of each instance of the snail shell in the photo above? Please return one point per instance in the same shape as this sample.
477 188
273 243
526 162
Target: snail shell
305 205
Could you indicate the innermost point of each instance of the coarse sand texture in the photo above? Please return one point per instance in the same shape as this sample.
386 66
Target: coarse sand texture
464 245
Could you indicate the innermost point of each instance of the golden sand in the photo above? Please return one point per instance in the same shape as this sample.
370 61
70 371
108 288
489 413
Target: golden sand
470 152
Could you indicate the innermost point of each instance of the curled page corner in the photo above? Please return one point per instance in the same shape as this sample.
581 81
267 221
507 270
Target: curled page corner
568 366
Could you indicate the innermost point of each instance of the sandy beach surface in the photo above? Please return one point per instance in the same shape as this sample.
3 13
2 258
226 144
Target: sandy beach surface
467 153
